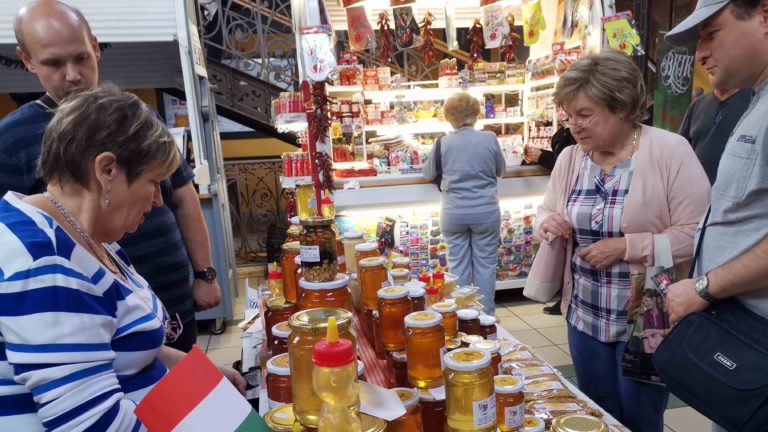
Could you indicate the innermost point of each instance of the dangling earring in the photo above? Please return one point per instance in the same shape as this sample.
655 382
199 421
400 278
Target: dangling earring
107 201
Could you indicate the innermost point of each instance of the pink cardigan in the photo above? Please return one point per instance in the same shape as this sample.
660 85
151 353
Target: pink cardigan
669 194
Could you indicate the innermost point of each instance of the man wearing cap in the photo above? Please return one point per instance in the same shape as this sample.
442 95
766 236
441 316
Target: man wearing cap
733 48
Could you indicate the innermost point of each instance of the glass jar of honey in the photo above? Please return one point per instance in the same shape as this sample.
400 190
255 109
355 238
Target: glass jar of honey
469 321
402 263
450 322
400 276
417 293
469 391
492 348
349 241
397 363
288 256
318 249
373 277
280 333
393 306
276 312
510 403
411 420
452 344
354 290
468 340
297 276
306 199
488 327
341 258
432 411
425 346
365 250
378 345
278 381
333 294
307 328
280 419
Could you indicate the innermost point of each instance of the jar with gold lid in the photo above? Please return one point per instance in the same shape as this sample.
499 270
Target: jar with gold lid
411 420
469 321
492 348
318 249
432 410
393 306
510 402
333 294
288 254
425 346
402 263
307 328
450 321
278 381
280 419
373 277
578 423
533 424
469 391
400 276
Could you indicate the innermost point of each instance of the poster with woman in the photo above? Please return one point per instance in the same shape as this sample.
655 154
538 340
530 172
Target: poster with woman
573 17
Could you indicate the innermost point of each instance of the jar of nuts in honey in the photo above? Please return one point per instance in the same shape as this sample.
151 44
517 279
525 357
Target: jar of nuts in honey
469 391
411 420
393 306
510 402
450 321
492 348
425 346
373 277
333 294
318 249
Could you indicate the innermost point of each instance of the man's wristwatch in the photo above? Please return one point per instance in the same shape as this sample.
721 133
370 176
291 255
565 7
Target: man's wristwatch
207 274
701 285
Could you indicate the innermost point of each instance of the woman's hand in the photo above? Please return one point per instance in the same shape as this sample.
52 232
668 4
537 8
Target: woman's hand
235 378
557 226
604 253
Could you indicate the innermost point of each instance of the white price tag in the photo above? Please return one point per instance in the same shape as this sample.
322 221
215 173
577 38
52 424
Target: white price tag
310 254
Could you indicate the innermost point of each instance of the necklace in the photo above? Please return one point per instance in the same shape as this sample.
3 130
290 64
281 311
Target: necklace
634 146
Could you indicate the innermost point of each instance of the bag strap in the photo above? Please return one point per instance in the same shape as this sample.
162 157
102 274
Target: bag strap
48 102
698 244
438 156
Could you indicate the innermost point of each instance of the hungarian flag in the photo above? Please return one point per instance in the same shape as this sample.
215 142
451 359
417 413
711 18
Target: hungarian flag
195 396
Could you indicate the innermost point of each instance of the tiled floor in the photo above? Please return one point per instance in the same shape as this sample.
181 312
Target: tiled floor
521 317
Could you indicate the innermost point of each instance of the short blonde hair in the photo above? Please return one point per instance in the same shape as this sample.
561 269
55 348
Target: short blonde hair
461 109
608 77
104 119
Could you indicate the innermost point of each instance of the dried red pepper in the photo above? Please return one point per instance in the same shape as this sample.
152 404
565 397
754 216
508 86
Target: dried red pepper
386 37
511 41
475 35
427 49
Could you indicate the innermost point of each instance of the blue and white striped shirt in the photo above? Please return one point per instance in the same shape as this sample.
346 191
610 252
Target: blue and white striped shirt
78 346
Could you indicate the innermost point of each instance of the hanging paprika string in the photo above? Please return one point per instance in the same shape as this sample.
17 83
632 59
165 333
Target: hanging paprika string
320 124
475 35
385 38
511 41
427 49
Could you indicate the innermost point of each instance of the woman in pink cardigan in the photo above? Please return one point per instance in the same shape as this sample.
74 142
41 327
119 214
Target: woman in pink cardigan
624 191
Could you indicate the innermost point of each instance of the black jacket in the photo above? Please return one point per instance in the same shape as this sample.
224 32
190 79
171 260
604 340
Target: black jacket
560 140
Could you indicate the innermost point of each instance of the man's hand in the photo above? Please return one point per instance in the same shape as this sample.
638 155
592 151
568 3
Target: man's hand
604 253
682 300
532 154
235 378
206 295
556 225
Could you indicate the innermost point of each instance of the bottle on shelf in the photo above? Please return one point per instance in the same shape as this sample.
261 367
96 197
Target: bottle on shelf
275 283
334 380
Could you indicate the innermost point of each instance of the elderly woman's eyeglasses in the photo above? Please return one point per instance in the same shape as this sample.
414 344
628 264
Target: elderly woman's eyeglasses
579 121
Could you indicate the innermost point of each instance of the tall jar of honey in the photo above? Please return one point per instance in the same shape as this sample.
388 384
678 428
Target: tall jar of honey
307 328
365 250
394 305
288 256
318 249
349 241
492 348
402 263
411 420
432 411
450 320
278 381
400 276
469 321
306 200
276 312
510 403
333 294
373 277
425 346
469 391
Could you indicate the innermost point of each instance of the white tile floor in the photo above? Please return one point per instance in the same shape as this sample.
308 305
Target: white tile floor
521 317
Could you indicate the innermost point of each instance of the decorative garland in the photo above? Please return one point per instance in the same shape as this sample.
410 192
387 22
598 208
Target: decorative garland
511 41
320 124
427 49
386 38
475 35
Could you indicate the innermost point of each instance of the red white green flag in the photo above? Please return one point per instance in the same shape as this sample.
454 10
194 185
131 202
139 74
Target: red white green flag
195 396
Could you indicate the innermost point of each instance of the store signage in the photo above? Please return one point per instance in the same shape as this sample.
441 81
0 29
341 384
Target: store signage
673 85
676 69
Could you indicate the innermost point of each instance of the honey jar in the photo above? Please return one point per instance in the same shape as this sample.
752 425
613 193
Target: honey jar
397 363
468 340
510 402
469 321
400 276
417 293
278 381
452 344
318 249
341 258
378 344
365 250
402 263
297 275
492 348
450 322
411 420
424 346
533 424
393 306
307 328
578 423
488 327
334 294
294 231
373 277
469 391
288 265
349 241
432 411
276 312
280 333
354 290
280 419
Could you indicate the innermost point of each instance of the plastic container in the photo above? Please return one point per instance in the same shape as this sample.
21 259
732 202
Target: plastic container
334 294
432 411
492 348
425 278
393 306
318 249
276 312
411 420
373 277
425 346
469 391
450 320
288 255
450 284
400 276
488 327
438 281
510 403
469 321
275 282
433 296
278 381
280 334
349 241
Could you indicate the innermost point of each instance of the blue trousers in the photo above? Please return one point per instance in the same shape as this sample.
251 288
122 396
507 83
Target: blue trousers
638 406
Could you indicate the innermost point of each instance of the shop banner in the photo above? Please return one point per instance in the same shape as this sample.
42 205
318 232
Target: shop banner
196 396
533 22
407 30
674 76
317 48
495 25
360 30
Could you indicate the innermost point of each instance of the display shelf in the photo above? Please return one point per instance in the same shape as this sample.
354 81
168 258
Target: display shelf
503 120
291 122
419 127
541 83
510 284
344 90
290 182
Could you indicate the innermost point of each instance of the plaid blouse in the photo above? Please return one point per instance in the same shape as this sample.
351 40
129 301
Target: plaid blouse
600 300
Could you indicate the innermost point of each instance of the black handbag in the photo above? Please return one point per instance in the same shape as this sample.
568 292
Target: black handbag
438 165
716 361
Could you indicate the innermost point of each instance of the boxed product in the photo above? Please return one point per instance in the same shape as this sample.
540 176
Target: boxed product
370 79
385 78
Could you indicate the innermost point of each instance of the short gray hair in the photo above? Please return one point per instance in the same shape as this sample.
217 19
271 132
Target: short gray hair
608 77
104 119
461 109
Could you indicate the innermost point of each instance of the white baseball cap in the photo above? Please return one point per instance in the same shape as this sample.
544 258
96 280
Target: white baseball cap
687 31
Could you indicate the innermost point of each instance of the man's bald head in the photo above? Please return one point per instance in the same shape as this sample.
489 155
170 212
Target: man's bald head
46 11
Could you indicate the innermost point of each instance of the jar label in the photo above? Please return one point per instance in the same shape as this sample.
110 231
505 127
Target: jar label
514 416
275 404
310 254
543 386
484 411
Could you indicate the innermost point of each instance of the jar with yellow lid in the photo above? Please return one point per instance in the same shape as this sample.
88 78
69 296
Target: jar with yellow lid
469 391
533 424
469 321
393 306
400 276
452 344
288 264
373 277
307 328
349 240
280 419
510 402
468 340
450 321
280 333
333 294
318 249
425 346
365 250
402 263
410 421
278 381
306 199
578 423
492 348
432 411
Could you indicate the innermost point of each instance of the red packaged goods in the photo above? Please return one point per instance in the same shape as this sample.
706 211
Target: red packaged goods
370 79
287 165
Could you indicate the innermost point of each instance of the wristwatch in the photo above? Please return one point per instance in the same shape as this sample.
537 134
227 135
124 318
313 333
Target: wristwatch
701 285
207 274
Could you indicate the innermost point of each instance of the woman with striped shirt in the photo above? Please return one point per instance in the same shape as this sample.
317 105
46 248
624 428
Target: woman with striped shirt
81 333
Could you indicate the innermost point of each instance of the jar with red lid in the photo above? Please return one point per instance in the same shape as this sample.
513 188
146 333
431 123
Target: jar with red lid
469 321
333 294
280 333
278 381
276 312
